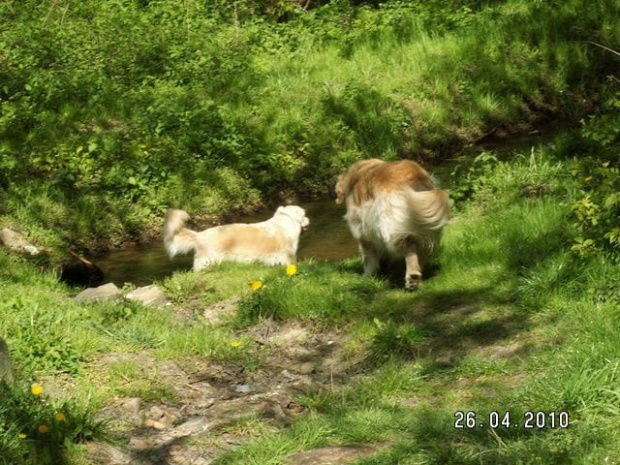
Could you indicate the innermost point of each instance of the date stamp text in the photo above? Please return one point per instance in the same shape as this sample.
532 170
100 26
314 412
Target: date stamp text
527 420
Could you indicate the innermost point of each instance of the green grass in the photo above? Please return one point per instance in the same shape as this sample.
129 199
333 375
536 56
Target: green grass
510 321
505 279
34 429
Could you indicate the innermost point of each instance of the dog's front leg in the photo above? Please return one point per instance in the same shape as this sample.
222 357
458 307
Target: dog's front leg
370 256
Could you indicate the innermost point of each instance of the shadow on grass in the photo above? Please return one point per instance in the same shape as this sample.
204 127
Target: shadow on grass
445 325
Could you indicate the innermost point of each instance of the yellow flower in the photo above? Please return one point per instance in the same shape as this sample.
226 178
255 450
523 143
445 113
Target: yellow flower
235 343
22 436
43 429
256 285
36 389
60 416
291 270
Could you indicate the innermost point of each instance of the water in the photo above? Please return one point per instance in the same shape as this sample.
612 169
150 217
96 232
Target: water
327 239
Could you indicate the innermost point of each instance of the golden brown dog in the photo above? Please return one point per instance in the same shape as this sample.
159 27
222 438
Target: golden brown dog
393 209
272 242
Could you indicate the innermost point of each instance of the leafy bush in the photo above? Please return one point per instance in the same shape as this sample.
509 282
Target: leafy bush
597 212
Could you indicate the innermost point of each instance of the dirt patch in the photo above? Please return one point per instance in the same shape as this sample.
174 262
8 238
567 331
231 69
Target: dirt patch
195 422
337 455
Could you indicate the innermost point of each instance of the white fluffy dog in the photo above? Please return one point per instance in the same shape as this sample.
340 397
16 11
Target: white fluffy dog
272 242
393 209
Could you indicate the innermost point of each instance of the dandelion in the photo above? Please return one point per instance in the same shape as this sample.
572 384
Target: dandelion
43 429
22 436
256 285
36 389
60 416
291 270
235 343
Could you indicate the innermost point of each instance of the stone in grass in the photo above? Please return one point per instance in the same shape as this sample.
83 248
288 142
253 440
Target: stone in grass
219 312
100 452
151 296
106 292
16 241
336 455
6 373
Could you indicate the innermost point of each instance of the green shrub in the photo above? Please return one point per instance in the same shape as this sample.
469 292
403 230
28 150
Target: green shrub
598 210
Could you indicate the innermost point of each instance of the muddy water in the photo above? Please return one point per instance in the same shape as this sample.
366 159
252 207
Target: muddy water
327 239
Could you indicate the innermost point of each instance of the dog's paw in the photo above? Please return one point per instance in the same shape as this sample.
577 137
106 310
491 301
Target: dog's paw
413 281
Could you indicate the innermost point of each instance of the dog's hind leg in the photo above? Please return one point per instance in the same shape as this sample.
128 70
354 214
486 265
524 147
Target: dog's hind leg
414 261
370 256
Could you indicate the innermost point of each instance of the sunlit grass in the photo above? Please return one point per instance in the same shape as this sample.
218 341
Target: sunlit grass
509 321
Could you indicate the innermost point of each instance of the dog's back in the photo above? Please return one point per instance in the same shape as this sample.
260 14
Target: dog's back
387 202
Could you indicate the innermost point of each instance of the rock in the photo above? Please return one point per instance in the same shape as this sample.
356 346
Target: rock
305 368
15 241
190 427
337 455
289 336
141 443
105 453
163 415
106 292
148 295
6 374
242 388
77 271
154 424
132 405
217 314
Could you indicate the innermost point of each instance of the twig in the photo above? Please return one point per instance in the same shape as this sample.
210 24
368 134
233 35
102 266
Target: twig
603 47
500 442
62 19
53 4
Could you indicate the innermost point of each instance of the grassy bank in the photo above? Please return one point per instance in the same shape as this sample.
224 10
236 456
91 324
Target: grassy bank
511 322
114 111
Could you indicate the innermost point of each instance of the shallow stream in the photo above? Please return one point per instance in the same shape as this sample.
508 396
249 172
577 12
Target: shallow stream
327 239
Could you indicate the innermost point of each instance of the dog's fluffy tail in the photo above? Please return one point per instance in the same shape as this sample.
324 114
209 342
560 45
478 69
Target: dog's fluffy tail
421 214
177 238
428 210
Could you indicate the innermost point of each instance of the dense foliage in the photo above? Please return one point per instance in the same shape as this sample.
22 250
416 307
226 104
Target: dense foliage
598 211
113 111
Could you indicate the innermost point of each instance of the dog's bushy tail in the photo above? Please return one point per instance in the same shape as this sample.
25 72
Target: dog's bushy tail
428 210
423 215
177 238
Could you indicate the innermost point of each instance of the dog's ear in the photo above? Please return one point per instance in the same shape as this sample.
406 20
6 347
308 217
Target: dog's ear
339 189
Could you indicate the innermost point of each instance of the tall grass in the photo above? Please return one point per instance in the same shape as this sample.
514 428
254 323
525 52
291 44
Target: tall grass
137 107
